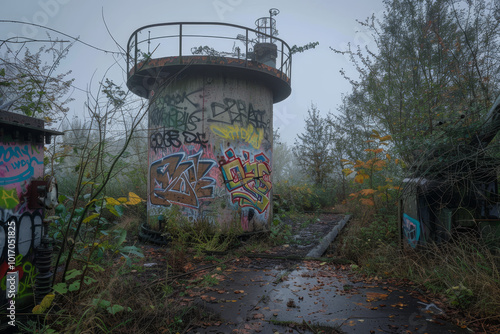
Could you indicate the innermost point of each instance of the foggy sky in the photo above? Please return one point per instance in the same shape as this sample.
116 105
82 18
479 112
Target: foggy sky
315 73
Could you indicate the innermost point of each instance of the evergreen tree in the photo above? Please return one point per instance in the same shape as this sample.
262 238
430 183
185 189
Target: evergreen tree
312 149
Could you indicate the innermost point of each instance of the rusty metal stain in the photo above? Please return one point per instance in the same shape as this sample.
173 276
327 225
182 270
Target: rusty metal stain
204 60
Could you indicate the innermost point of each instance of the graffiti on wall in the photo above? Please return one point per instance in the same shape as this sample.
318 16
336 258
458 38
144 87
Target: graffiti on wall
184 130
181 179
246 218
177 111
249 182
411 230
249 134
238 112
27 274
163 139
28 234
19 164
8 198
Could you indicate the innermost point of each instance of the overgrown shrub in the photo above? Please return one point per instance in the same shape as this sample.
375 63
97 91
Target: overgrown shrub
464 271
201 235
364 238
302 197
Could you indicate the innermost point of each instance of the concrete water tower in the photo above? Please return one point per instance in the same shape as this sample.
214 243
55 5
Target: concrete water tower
211 88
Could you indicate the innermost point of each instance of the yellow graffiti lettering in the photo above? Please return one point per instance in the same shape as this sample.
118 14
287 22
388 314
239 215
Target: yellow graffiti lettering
249 182
235 175
8 198
244 199
251 135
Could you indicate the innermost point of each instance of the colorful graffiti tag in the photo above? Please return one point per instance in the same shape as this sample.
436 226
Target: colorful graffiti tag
183 180
27 275
411 230
249 134
192 128
8 198
238 112
19 164
249 182
246 218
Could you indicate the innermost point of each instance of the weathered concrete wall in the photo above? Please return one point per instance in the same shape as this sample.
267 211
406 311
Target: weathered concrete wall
20 163
210 150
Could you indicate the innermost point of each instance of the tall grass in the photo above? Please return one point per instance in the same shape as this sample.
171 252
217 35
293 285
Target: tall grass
463 271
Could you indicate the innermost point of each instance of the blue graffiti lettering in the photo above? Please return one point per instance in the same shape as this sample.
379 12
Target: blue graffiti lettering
23 168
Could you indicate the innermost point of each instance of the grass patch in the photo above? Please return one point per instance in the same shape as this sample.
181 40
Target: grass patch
121 302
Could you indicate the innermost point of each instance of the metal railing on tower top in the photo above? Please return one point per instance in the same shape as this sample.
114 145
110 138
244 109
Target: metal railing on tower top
212 39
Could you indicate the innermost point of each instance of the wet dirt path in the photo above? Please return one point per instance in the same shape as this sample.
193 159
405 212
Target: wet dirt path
264 295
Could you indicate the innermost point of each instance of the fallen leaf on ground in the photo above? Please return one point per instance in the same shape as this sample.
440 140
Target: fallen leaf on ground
400 305
374 296
188 267
208 298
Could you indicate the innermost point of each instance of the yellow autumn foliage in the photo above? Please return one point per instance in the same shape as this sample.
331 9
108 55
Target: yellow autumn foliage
360 178
359 164
380 164
89 218
112 201
44 304
347 171
367 192
385 138
133 199
47 301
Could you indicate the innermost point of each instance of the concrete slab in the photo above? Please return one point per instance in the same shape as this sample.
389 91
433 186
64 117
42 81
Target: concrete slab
326 296
239 297
277 296
268 300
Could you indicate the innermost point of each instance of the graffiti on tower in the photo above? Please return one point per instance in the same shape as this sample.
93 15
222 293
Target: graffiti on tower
181 179
248 180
